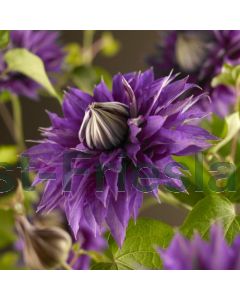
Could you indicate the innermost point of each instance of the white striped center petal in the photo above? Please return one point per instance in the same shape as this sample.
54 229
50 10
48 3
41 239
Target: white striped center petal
104 126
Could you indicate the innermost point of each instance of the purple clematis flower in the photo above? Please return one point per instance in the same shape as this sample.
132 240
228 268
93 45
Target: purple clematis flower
201 54
42 43
125 140
197 254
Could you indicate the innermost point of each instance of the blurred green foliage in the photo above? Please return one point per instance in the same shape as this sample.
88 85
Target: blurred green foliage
82 71
86 77
4 38
8 154
110 46
6 228
229 76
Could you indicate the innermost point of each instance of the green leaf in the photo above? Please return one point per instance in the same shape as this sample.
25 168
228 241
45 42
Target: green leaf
86 77
218 126
104 266
233 126
8 154
229 76
29 64
139 248
213 208
110 46
233 230
196 180
236 73
4 38
223 79
234 178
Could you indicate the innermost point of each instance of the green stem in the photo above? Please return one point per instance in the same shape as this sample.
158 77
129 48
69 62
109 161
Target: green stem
96 48
75 257
7 119
66 266
235 139
234 147
148 202
18 126
170 199
87 46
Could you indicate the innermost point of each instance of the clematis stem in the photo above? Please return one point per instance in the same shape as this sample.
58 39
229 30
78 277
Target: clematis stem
87 46
18 126
235 139
66 266
76 257
234 147
7 119
170 199
96 48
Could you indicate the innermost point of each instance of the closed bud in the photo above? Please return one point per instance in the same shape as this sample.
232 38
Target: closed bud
104 125
44 247
190 51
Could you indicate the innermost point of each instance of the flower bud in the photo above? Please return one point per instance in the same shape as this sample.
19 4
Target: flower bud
190 51
104 126
44 247
53 219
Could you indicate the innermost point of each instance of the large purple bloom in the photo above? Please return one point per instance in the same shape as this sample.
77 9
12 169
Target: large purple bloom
42 43
202 55
197 254
131 132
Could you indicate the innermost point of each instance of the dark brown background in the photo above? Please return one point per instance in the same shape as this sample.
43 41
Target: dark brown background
135 45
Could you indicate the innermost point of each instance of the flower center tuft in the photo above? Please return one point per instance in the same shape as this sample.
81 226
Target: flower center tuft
104 126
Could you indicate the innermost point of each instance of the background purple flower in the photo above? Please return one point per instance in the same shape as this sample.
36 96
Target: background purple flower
42 43
132 132
201 54
87 241
197 254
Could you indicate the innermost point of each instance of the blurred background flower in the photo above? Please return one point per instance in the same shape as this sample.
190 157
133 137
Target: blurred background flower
44 44
200 54
199 254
